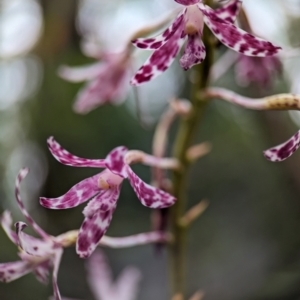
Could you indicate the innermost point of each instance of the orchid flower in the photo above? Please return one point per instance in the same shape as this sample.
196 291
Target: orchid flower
103 190
107 81
38 255
190 23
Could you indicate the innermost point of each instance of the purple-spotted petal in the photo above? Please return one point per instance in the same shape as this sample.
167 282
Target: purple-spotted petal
194 52
161 39
114 161
14 270
79 193
187 2
66 158
161 58
229 11
284 150
235 38
41 272
56 262
91 231
6 223
22 174
104 201
32 245
149 195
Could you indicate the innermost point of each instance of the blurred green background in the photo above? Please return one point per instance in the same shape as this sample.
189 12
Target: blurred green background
245 246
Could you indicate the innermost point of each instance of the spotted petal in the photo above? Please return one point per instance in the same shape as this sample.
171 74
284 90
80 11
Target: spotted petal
32 245
41 271
6 223
161 39
235 38
149 195
104 201
161 58
14 270
22 174
284 150
66 158
194 52
229 11
187 2
91 231
79 193
114 161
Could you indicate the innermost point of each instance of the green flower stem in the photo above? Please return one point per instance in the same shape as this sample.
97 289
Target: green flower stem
187 128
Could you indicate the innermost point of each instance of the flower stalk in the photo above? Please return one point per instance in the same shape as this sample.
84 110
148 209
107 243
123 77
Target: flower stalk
187 129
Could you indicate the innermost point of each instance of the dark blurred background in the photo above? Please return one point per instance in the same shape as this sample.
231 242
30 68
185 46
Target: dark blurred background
245 246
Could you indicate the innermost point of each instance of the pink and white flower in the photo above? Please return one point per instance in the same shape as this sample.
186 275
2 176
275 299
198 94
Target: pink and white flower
103 190
189 23
107 81
100 279
38 255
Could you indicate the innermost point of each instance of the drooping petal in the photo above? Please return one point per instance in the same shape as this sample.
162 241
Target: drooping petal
284 150
187 2
229 11
235 38
66 158
149 195
91 231
114 161
194 52
41 272
14 270
127 285
104 201
78 74
161 58
79 193
99 275
22 174
161 39
6 223
32 245
56 262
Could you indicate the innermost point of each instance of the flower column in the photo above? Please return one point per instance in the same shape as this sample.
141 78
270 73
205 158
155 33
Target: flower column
187 129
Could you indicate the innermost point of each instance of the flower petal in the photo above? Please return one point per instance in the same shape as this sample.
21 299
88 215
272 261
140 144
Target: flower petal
149 195
41 272
194 52
161 58
6 223
187 2
56 263
99 275
14 270
235 38
284 150
229 11
66 158
114 161
79 193
22 174
104 201
91 231
161 39
127 285
78 74
32 245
